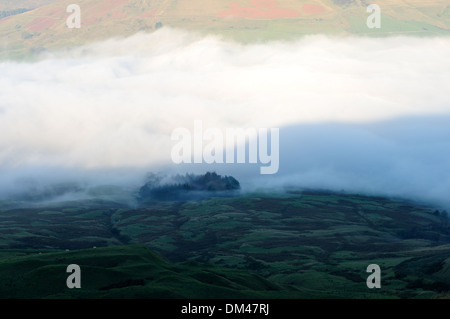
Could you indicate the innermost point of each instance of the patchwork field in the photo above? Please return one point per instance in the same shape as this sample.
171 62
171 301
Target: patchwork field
44 28
308 245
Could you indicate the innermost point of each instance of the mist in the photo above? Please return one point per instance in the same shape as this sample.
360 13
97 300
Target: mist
403 157
364 115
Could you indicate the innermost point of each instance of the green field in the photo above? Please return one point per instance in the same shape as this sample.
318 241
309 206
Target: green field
126 272
44 28
299 245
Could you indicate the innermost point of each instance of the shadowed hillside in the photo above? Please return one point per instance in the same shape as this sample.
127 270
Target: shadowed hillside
126 272
299 244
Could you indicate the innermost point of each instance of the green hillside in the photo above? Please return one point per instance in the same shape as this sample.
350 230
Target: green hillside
44 28
292 245
126 272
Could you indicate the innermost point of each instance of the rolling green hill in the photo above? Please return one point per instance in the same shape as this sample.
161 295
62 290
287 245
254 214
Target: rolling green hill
44 28
301 244
126 272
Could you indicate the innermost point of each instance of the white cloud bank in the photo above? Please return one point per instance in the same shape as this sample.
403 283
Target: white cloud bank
115 104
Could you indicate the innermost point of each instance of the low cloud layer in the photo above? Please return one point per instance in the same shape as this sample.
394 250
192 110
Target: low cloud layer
405 157
114 105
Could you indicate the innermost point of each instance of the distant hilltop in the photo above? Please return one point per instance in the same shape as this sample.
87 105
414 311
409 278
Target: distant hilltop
188 187
43 26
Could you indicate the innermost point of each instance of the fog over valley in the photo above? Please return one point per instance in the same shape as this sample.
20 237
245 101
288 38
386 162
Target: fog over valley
369 115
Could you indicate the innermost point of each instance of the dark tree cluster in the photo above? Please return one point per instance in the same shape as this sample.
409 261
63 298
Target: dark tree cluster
188 187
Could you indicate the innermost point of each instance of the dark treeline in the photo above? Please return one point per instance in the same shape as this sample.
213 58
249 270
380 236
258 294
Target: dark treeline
188 187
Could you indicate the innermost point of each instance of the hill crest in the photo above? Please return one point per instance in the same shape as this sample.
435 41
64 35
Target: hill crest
44 28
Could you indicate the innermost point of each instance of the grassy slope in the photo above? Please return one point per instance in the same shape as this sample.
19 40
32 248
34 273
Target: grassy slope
319 244
44 28
125 272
